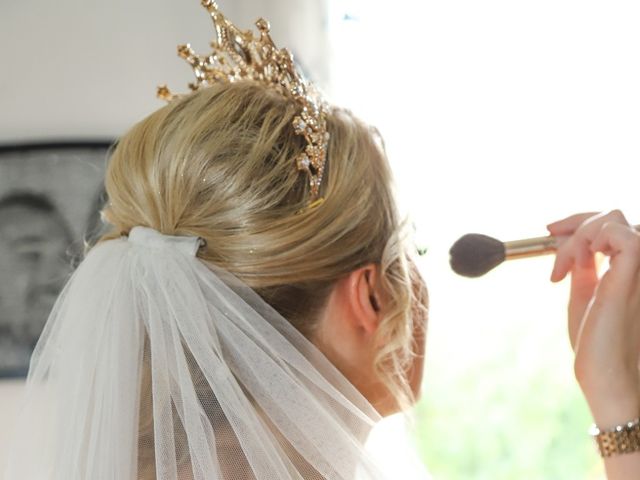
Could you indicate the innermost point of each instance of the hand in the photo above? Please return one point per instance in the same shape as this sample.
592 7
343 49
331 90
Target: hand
604 313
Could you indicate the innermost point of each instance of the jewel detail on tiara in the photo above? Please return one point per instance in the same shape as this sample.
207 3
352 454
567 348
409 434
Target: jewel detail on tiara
240 55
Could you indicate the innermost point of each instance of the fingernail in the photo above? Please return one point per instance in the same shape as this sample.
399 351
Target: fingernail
551 227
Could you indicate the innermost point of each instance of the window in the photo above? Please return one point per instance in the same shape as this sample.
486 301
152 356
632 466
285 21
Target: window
499 117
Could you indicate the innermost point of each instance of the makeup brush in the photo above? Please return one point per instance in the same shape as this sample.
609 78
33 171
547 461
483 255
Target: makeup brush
474 254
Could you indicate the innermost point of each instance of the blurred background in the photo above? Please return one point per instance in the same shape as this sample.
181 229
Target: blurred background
499 117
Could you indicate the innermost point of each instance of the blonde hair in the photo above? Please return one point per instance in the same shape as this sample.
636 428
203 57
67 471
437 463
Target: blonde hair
218 164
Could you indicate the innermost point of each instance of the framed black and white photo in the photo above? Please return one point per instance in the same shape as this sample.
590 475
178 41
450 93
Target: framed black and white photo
50 198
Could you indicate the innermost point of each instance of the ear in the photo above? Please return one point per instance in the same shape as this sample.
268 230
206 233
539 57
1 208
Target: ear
364 297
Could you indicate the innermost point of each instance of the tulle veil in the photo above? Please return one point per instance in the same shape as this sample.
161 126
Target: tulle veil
155 365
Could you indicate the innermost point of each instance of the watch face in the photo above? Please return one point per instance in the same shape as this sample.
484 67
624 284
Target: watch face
50 198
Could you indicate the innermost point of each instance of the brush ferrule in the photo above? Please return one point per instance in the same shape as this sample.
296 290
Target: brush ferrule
530 247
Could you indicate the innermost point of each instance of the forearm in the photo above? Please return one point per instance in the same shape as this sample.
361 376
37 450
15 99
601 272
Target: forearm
604 309
623 467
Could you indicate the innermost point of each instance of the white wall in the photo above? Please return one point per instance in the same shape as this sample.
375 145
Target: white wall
10 391
86 69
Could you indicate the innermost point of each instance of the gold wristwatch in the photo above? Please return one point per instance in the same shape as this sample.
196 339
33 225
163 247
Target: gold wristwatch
621 439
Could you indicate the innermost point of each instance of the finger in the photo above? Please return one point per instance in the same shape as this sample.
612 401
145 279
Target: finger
622 244
573 253
564 261
570 224
583 284
577 249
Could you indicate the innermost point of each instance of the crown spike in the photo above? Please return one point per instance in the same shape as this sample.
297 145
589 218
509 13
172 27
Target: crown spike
240 55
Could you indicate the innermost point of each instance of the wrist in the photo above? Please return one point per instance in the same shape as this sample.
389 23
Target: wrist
612 410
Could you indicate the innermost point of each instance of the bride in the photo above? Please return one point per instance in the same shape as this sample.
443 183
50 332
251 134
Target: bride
254 310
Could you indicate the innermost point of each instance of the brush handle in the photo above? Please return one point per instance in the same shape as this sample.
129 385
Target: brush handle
532 247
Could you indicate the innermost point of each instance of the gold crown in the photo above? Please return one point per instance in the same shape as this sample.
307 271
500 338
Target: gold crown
240 55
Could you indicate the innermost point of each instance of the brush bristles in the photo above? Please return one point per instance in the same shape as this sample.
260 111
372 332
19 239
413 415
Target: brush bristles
474 254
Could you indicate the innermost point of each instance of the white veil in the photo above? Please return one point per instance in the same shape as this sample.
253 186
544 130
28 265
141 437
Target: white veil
154 365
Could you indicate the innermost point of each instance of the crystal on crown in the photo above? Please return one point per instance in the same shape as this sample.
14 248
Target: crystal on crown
241 55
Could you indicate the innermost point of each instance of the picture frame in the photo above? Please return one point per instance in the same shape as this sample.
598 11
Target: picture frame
50 198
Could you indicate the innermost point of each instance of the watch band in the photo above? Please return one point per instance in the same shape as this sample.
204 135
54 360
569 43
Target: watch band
621 439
